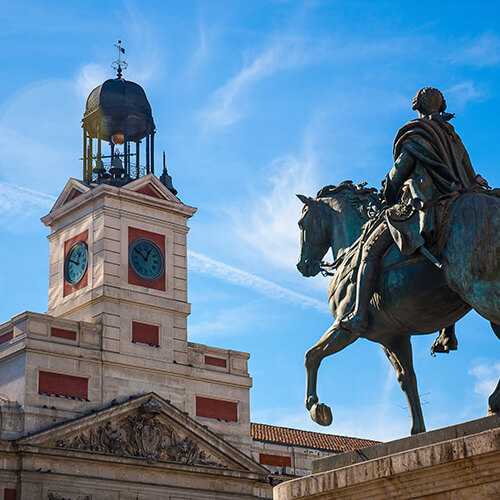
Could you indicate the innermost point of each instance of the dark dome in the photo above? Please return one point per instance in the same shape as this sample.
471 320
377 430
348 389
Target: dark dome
118 106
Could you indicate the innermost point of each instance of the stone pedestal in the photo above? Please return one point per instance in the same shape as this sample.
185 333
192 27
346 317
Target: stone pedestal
457 462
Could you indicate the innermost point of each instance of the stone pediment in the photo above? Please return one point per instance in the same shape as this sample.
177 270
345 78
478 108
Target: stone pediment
72 190
149 429
149 185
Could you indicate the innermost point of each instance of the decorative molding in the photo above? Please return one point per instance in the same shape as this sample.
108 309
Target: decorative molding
141 435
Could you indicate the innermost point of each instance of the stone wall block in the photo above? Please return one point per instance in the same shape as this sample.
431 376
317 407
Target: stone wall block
38 327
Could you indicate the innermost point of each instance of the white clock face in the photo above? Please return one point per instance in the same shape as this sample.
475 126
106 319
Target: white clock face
75 263
146 259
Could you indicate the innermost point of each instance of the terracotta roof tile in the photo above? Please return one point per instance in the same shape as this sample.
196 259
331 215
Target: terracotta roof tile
307 439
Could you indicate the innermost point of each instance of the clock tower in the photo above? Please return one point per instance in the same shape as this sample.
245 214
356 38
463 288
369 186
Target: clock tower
118 237
116 324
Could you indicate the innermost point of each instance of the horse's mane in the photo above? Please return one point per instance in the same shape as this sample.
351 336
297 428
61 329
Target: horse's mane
367 199
349 187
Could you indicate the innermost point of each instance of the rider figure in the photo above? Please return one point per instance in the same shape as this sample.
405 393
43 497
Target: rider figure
429 161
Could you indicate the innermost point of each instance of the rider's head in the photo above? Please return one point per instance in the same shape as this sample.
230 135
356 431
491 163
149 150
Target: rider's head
428 101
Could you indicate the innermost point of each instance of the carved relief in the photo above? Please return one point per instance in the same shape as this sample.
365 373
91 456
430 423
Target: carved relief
56 496
141 436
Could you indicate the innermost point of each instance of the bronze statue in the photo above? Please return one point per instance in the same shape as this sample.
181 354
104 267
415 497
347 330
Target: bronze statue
411 260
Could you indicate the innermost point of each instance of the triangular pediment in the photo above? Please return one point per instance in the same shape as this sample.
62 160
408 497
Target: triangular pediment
149 429
72 190
149 185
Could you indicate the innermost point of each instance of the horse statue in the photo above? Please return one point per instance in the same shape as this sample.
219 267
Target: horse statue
413 296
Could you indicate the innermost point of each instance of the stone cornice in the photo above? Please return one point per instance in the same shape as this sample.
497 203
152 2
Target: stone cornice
104 190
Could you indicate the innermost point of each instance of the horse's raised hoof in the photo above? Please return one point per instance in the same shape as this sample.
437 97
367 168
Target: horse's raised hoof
321 414
445 342
311 401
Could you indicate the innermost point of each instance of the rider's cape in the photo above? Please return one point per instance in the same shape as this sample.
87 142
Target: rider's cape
442 167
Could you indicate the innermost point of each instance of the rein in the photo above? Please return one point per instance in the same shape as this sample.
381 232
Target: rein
327 268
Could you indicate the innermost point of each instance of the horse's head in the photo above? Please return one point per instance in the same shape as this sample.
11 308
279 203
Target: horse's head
314 235
333 219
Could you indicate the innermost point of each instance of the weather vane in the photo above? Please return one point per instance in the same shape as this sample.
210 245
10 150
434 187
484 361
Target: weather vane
120 64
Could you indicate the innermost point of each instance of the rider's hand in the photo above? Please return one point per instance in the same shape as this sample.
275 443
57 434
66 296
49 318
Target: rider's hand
482 181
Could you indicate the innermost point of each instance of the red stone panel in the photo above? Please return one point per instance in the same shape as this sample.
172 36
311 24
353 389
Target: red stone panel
159 239
144 333
68 289
6 337
72 195
276 460
216 408
210 360
63 334
9 494
63 385
148 190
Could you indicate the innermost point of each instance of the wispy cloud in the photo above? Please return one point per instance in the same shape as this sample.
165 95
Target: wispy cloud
268 222
223 111
200 54
17 201
202 264
287 54
89 77
486 376
463 93
480 52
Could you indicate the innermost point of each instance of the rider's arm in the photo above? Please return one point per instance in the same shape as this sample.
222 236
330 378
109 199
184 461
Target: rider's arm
400 172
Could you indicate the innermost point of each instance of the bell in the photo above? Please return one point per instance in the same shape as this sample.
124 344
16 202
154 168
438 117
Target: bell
99 167
116 169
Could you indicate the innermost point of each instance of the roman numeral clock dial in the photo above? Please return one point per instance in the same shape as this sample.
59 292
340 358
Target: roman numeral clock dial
146 259
75 263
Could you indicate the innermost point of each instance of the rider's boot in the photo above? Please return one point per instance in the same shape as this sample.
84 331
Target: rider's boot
446 341
357 321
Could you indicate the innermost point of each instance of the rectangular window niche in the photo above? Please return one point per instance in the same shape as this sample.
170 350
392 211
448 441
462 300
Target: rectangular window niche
59 384
6 337
275 460
9 494
142 333
216 408
210 360
63 334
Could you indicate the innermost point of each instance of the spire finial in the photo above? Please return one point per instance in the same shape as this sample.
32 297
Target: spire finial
166 179
120 64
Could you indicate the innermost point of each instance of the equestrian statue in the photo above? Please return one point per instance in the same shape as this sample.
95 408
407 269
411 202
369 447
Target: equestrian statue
411 260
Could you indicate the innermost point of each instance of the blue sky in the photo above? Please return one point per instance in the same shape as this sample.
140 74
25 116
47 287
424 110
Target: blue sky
255 101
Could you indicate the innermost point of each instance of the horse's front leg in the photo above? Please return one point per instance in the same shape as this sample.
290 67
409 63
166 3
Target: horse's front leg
400 356
334 340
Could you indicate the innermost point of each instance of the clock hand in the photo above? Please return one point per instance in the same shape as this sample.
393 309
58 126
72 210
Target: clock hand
77 263
140 253
147 256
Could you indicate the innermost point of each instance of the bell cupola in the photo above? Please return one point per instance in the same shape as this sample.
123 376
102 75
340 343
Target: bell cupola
118 131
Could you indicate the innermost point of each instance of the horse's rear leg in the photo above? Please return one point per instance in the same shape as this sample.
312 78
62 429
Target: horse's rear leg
400 356
334 340
496 329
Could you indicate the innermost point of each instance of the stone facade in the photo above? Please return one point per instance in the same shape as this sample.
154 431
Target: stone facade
103 397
